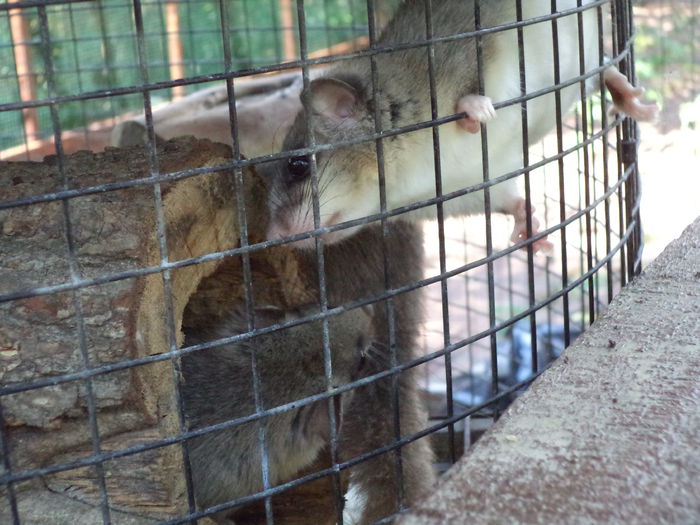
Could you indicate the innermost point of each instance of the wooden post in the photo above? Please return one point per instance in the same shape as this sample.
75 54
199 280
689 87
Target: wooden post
25 78
287 19
175 53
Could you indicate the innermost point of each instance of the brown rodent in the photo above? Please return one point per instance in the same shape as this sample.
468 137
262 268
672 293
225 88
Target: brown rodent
355 270
218 386
342 103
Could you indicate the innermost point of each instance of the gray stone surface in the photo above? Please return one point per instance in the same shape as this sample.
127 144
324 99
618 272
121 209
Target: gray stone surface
611 433
41 507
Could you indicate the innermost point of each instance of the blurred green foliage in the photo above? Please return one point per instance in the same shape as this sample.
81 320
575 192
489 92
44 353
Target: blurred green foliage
667 51
93 46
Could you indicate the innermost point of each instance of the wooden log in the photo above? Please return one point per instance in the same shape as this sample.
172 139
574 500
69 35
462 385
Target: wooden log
125 319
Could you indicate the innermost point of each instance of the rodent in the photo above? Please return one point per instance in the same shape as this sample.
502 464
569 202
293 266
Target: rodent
218 386
341 105
355 270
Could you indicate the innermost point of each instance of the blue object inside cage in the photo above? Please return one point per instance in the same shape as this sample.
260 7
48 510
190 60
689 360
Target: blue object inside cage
514 354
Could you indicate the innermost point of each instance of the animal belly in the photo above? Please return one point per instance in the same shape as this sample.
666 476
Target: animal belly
461 152
461 168
503 77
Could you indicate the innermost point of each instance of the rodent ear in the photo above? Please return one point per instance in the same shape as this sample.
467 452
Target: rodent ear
333 99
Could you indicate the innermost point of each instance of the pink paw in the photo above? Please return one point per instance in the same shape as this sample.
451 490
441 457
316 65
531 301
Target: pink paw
626 97
478 108
519 212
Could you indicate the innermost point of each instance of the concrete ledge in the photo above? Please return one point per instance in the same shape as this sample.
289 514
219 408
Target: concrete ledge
611 433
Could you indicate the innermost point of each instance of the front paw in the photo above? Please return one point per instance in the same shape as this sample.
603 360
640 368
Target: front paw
626 97
520 212
478 108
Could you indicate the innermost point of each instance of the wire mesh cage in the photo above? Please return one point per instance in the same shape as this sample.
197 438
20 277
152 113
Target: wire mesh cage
177 344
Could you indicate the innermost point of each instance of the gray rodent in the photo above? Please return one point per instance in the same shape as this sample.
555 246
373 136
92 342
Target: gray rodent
341 105
226 464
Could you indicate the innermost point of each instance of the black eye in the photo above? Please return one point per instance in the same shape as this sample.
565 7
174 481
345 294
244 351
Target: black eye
299 168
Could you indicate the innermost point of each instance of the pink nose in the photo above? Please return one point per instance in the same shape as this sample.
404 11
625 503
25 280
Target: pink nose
281 227
277 231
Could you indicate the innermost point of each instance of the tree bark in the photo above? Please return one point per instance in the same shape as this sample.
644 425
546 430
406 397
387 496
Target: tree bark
121 319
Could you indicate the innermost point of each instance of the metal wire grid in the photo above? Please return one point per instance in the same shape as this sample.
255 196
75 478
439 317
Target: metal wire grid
622 249
97 51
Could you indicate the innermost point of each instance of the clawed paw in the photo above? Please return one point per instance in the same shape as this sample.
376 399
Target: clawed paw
520 214
479 109
626 97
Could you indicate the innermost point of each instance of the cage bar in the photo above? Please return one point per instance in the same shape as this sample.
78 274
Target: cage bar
497 315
